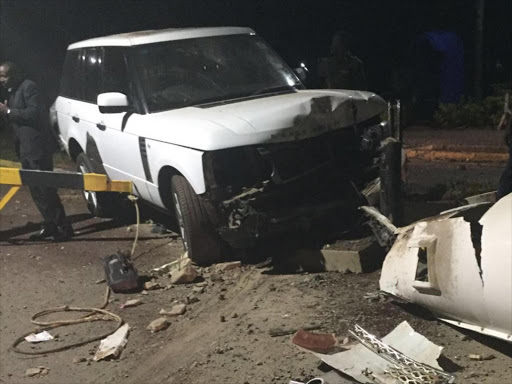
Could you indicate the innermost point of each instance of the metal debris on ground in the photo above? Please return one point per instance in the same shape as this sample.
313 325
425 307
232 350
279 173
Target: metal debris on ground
39 337
403 356
113 344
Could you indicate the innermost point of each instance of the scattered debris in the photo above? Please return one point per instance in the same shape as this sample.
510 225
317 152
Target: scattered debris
198 289
131 303
158 325
38 371
402 353
316 380
375 296
151 286
184 276
276 332
228 266
78 360
191 299
316 342
481 357
222 318
457 265
39 337
100 281
176 265
176 310
112 345
215 277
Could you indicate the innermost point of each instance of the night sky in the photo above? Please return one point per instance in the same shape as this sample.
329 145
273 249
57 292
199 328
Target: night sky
36 33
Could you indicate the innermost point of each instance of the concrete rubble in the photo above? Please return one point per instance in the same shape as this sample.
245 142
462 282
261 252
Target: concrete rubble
184 276
159 324
113 345
176 310
38 371
131 303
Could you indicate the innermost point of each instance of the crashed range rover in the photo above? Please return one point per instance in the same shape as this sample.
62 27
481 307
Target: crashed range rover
211 125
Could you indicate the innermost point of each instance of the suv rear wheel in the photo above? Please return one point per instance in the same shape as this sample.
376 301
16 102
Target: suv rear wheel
100 204
196 219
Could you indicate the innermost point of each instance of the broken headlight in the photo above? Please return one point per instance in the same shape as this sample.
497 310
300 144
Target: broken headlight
234 168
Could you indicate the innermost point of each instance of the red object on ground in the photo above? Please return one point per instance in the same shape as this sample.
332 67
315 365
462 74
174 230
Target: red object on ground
316 342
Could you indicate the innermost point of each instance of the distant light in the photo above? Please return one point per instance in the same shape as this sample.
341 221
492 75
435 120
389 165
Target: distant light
290 81
92 59
99 60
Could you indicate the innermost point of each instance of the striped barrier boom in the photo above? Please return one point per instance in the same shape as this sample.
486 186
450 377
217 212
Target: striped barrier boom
69 180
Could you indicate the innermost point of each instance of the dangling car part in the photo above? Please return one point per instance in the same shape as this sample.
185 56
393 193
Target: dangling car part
458 265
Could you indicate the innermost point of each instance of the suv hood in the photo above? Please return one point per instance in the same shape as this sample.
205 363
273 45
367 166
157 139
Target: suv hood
271 119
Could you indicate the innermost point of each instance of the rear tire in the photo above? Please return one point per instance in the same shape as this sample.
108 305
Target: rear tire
197 221
100 204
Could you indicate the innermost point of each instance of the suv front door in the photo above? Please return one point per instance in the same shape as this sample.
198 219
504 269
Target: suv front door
118 148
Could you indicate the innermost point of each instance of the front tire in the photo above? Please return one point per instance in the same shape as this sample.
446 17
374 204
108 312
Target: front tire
100 204
197 221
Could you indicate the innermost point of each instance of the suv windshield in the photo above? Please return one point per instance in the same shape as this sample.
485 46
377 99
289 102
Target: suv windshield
181 73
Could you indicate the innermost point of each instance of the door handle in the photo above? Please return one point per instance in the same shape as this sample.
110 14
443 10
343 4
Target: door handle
76 119
101 126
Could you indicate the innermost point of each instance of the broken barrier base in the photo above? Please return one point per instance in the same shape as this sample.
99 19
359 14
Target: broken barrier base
368 257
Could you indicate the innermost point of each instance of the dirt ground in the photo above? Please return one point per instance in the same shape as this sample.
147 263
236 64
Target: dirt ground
222 338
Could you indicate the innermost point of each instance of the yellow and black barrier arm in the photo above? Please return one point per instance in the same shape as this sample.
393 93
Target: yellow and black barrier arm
69 180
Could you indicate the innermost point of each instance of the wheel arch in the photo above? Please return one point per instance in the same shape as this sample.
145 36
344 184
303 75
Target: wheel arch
74 149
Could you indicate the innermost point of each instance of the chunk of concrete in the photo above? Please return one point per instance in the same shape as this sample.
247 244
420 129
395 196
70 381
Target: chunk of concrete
355 258
158 325
228 266
184 276
176 310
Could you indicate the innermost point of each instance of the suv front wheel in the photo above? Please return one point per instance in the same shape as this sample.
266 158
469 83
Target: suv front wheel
196 219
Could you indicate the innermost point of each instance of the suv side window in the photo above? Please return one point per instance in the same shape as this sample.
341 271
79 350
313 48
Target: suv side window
115 74
91 78
70 86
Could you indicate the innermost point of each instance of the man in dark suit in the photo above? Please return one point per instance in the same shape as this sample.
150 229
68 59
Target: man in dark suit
34 144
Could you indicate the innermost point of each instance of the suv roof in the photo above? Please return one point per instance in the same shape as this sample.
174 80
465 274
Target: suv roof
158 35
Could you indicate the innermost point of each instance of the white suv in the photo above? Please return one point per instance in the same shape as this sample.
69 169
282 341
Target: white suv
211 125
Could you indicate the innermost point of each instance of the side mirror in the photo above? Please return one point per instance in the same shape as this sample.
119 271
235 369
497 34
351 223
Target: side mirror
112 102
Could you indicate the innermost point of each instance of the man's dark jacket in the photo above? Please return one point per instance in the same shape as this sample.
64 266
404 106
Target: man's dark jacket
33 138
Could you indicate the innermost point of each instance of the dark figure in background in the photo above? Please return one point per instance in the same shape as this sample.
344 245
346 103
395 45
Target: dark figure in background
344 70
34 144
505 186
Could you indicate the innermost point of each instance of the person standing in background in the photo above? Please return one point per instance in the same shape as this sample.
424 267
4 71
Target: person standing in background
34 143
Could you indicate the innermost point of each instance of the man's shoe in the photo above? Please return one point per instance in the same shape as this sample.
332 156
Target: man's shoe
63 233
44 234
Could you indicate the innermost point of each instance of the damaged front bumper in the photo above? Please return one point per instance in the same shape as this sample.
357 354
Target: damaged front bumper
267 189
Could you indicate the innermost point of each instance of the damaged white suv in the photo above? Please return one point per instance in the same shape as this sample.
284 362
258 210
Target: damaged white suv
211 125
